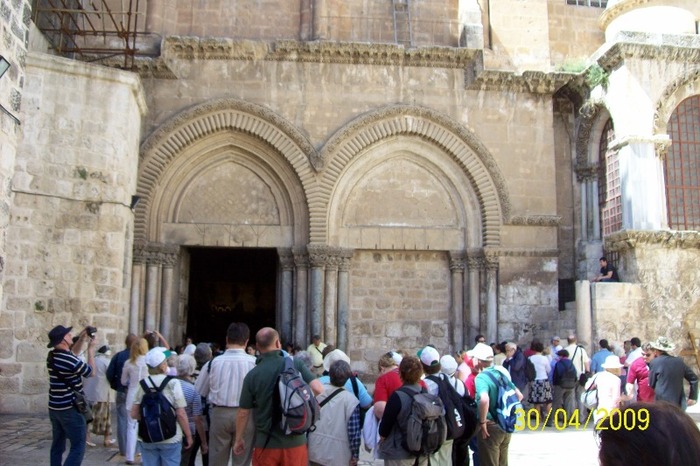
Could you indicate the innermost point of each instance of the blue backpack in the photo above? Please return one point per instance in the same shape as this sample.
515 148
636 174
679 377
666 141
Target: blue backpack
507 402
158 418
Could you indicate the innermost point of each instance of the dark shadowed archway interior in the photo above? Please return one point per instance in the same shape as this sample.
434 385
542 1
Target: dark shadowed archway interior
230 285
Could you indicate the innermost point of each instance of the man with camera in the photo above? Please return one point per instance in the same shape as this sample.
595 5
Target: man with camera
66 372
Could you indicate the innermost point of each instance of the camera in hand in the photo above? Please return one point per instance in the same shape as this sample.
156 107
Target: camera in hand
91 331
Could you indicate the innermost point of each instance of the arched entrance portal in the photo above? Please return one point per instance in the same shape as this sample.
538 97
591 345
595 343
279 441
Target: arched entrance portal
230 285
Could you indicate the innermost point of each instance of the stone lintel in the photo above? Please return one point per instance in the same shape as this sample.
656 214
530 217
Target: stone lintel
536 220
630 239
216 48
681 48
658 140
533 82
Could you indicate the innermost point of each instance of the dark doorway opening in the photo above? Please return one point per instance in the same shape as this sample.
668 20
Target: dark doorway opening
230 285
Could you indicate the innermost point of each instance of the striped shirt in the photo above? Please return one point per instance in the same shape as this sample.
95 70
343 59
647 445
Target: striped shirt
221 381
72 371
194 402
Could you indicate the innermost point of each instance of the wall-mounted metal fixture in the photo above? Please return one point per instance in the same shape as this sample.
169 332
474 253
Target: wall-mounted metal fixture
4 65
134 201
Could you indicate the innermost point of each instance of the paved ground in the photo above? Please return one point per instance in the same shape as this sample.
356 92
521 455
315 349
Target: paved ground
26 440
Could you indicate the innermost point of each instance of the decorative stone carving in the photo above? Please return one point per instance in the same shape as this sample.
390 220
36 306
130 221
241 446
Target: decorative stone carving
211 48
464 147
586 172
647 46
589 114
457 260
173 137
630 239
286 259
532 82
674 94
301 258
491 260
536 220
528 252
157 254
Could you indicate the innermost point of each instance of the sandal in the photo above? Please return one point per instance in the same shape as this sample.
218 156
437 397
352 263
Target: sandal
110 443
90 444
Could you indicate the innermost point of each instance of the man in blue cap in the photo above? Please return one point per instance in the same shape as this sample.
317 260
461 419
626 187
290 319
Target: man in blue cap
66 372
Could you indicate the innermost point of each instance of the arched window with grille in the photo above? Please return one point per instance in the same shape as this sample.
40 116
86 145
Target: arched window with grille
609 192
682 166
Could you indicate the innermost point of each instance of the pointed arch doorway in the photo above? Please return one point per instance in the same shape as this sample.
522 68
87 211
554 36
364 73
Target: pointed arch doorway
230 285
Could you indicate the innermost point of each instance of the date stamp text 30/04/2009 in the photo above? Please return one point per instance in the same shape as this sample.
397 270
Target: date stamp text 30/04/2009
627 419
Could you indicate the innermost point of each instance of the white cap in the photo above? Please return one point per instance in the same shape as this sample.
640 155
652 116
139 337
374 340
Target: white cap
482 352
189 349
396 357
333 356
155 357
429 356
448 364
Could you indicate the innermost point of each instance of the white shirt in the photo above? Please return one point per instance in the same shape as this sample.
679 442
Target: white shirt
131 376
542 366
579 359
635 354
97 386
221 381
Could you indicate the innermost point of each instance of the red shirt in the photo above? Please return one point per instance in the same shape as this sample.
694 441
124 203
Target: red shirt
639 372
387 384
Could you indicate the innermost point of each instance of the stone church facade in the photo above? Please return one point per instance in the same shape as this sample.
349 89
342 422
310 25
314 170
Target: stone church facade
386 174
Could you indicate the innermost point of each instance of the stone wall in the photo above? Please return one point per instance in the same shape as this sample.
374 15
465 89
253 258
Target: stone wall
70 232
398 300
14 24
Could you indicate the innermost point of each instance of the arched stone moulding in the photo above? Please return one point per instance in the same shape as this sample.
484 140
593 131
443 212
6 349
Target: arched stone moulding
193 124
676 92
462 146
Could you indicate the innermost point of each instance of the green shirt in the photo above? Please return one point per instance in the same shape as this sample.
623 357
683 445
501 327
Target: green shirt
258 393
483 384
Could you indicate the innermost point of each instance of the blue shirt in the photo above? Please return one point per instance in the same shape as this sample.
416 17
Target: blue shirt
114 371
598 359
71 370
362 395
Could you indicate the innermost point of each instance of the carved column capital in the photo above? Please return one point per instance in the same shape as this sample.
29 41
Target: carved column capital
157 254
491 260
457 260
301 258
286 259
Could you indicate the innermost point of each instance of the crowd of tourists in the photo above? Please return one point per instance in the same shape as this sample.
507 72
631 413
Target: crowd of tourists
228 405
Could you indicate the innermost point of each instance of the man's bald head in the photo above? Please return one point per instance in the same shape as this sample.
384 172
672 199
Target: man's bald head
267 339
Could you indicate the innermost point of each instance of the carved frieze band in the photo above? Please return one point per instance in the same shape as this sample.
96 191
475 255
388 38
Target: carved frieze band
645 46
166 255
536 220
586 172
630 239
207 48
532 82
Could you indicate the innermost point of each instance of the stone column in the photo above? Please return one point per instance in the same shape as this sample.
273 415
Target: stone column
584 327
476 264
169 256
344 297
330 304
321 20
491 260
152 286
318 256
286 293
137 272
457 308
301 262
641 179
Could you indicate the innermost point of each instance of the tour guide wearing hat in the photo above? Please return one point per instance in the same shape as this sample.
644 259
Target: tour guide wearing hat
666 374
66 372
493 442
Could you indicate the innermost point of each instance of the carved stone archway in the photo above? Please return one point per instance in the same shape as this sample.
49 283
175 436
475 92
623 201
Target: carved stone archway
457 141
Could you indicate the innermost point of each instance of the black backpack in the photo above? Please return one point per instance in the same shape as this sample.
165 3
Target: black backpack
530 370
158 418
568 379
460 411
426 429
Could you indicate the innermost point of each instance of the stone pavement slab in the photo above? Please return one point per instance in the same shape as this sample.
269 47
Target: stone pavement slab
26 440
